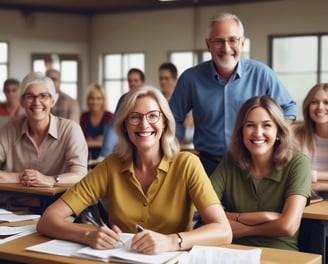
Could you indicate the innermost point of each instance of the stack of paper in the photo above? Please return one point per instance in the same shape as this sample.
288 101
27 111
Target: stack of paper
121 254
8 233
7 216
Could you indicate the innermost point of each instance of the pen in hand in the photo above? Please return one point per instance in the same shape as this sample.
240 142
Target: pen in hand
98 223
139 228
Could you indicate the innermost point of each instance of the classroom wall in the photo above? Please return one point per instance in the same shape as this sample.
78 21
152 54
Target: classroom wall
44 33
154 32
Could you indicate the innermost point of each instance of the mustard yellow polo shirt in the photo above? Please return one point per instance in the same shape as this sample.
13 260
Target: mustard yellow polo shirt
167 207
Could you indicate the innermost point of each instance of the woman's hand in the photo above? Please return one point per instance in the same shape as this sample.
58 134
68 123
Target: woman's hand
103 237
150 242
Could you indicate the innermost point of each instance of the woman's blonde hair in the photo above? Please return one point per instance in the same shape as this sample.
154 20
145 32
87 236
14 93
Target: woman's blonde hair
96 88
283 150
124 147
305 132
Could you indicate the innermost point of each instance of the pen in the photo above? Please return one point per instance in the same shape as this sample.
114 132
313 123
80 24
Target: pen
97 224
139 228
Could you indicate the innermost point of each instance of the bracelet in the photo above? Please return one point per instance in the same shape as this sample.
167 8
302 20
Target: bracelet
238 217
180 240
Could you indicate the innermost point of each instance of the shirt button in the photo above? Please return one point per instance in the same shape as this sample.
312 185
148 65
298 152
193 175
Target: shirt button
142 220
145 204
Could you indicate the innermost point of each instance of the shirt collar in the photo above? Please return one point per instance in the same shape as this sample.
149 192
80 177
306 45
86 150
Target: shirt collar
274 175
236 75
53 131
164 165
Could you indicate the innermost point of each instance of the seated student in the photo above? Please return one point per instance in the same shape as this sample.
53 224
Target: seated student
311 136
94 121
11 108
148 182
262 182
40 149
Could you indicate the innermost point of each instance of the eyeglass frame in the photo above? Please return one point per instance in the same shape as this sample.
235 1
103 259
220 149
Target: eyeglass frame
141 117
220 42
42 97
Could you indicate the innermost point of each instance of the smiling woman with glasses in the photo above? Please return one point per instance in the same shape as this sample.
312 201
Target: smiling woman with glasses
146 181
40 149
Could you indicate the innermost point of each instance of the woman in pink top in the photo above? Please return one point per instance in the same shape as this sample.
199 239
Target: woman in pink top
311 136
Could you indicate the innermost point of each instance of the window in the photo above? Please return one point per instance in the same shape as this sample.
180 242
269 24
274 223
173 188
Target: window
186 59
3 67
300 61
67 65
115 70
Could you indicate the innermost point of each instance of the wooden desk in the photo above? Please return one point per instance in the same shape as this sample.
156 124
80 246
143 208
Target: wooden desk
318 211
18 187
15 251
46 194
315 229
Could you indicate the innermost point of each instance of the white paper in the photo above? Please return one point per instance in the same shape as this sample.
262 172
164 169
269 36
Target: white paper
214 255
11 217
13 232
57 247
120 253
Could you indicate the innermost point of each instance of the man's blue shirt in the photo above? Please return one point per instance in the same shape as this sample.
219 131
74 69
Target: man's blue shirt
215 102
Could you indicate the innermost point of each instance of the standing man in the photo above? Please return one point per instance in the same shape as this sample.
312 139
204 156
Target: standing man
215 90
65 106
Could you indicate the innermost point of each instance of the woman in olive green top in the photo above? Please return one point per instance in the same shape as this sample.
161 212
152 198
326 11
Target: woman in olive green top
262 183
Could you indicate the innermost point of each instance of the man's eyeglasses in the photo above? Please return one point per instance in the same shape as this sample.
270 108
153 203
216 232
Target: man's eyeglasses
152 117
233 42
43 97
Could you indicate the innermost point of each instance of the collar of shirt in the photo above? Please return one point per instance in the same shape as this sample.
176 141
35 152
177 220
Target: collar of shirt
53 127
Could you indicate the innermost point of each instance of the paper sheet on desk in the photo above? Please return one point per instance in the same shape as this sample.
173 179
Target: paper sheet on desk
215 255
8 233
125 255
120 254
7 216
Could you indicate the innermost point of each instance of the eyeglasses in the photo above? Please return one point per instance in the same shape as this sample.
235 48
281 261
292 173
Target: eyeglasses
152 117
233 42
43 97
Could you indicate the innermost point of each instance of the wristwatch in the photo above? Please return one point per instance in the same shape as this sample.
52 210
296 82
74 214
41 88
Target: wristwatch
56 178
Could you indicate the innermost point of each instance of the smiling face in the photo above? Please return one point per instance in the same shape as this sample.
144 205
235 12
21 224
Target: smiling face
259 133
318 108
96 102
145 136
37 109
225 55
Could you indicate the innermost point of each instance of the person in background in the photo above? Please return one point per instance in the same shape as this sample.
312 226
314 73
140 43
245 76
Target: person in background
139 178
94 121
168 75
11 108
65 106
215 90
136 79
40 149
311 136
262 182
